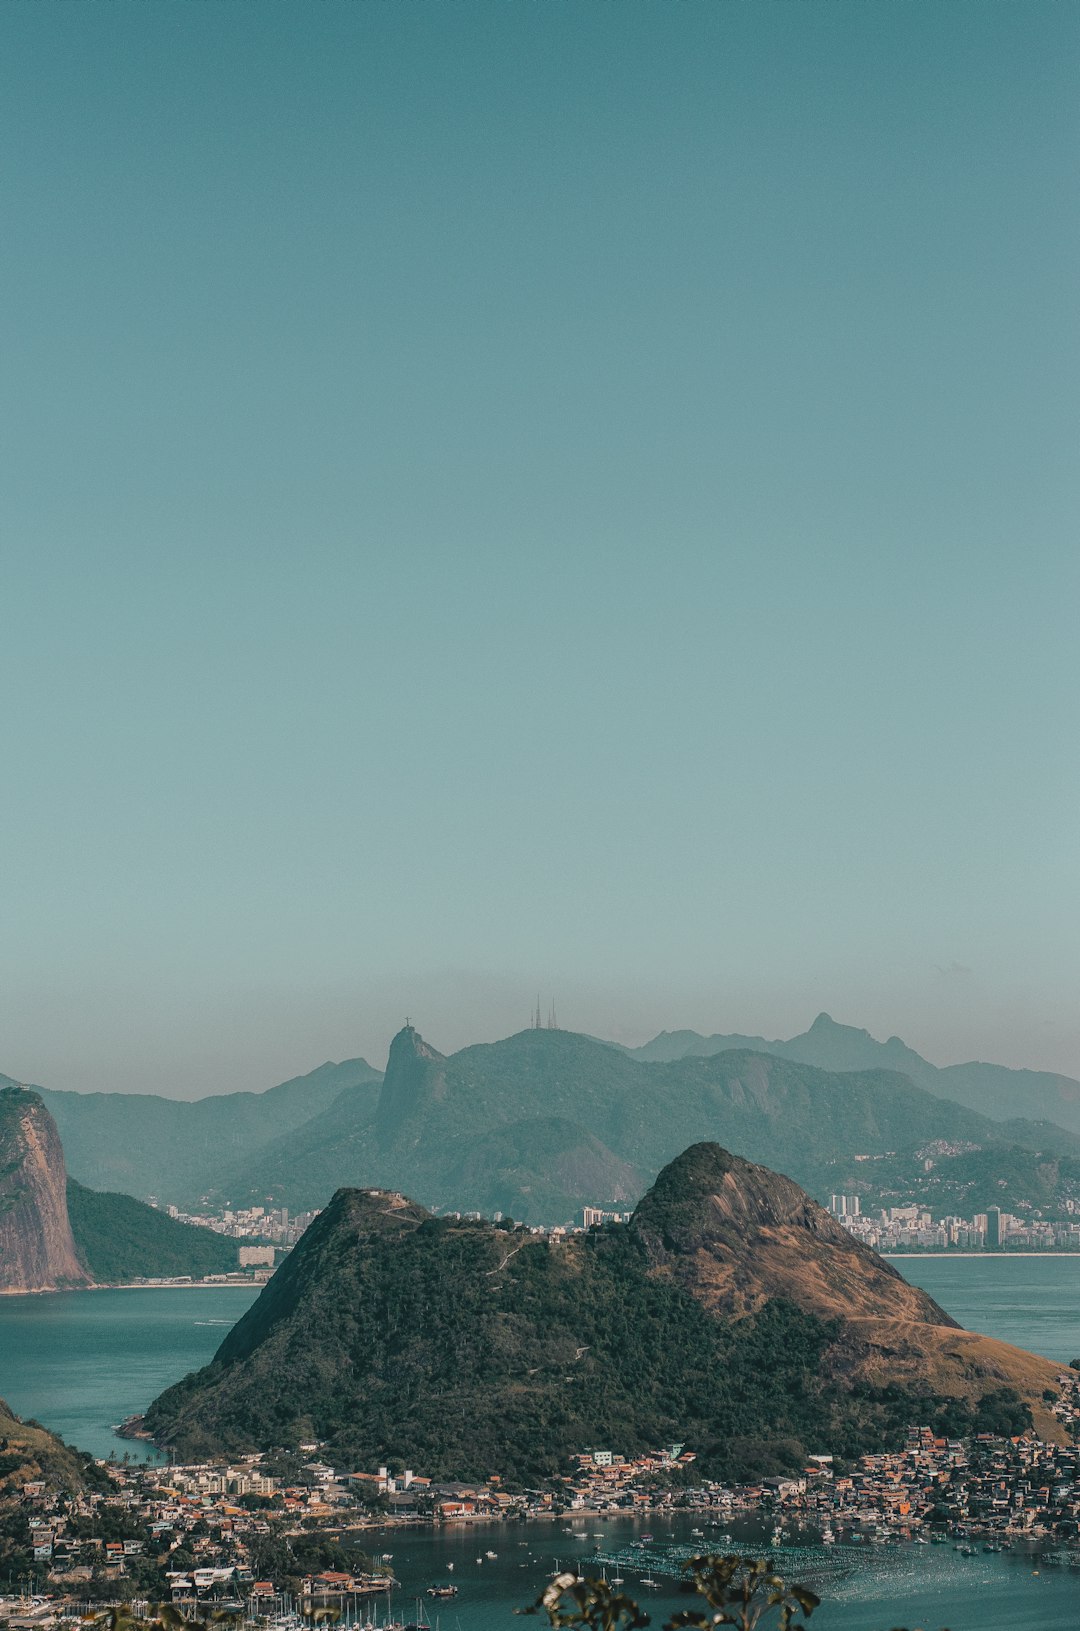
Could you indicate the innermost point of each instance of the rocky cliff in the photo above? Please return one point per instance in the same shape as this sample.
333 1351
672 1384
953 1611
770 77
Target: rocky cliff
37 1251
415 1080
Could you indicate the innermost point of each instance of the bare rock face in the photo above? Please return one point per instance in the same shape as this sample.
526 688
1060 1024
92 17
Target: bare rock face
37 1251
415 1079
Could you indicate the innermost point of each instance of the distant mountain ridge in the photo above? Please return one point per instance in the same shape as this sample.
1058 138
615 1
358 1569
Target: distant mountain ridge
995 1090
545 1121
177 1150
540 1124
732 1313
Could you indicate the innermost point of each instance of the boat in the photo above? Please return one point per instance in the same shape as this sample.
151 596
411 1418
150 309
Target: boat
647 1580
491 1554
442 1591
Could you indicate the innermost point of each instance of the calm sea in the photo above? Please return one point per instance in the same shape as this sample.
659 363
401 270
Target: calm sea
865 1588
81 1361
1033 1302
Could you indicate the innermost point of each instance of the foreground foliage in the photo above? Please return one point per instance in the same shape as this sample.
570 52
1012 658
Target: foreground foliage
738 1591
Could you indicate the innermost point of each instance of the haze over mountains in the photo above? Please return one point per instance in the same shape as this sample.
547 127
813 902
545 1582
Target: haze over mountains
541 1123
994 1089
732 1312
178 1149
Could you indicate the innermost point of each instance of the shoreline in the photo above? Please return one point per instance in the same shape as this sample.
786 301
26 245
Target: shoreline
947 1251
135 1285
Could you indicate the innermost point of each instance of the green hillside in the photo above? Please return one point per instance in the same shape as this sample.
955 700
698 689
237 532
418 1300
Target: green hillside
467 1349
971 1181
120 1238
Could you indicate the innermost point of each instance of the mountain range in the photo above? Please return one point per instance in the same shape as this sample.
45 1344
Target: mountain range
544 1122
995 1090
177 1150
732 1313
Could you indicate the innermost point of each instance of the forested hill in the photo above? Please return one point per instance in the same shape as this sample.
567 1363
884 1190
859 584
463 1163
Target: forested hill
546 1121
119 1238
732 1313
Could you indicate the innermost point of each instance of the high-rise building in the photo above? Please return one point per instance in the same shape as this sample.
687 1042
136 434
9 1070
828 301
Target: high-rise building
994 1233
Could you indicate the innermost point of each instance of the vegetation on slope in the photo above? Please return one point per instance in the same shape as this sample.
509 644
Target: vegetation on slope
29 1452
970 1181
466 1349
120 1238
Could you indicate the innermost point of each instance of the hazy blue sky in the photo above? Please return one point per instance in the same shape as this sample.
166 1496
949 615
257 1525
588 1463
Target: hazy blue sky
538 495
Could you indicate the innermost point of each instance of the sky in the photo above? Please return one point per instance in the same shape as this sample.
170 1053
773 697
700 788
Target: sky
554 497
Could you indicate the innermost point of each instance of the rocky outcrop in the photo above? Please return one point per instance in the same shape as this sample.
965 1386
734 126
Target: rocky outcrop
736 1234
415 1078
37 1250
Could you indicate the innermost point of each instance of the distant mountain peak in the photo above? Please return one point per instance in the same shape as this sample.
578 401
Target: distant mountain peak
825 1025
414 1077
